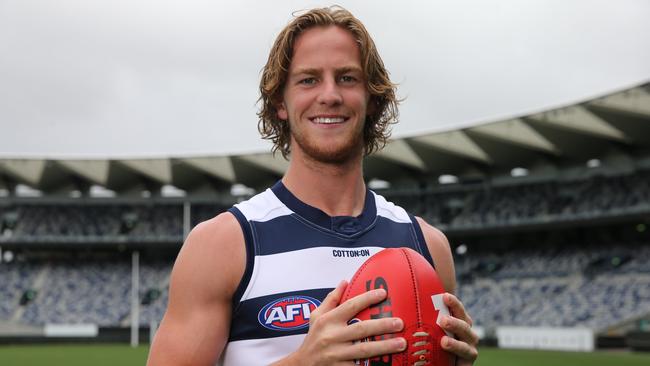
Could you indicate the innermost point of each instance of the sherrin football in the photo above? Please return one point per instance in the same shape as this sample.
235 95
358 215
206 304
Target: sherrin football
414 295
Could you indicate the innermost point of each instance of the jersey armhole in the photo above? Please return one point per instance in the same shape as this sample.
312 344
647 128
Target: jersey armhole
250 257
422 243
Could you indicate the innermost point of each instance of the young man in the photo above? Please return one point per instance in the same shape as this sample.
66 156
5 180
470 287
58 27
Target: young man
258 284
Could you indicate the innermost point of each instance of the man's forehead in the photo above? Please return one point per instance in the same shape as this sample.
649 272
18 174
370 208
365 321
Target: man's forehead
324 48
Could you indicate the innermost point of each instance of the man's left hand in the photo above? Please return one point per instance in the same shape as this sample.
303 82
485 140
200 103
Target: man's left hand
460 324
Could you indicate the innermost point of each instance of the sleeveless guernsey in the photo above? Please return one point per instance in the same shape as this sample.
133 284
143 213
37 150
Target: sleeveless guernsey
296 255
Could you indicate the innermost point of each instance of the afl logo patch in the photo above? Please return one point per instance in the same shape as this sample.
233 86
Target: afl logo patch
287 313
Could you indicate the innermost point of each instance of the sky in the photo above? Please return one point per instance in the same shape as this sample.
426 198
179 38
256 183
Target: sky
151 78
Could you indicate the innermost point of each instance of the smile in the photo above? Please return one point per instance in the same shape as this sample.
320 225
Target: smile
328 120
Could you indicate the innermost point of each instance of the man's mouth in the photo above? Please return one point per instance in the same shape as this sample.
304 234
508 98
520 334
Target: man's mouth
328 120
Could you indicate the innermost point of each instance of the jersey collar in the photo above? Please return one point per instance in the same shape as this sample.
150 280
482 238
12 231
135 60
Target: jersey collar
346 225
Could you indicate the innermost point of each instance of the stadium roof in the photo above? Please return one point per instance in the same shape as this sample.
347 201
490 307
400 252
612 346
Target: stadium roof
612 130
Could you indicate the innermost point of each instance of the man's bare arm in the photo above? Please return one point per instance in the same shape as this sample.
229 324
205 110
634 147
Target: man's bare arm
460 323
440 251
206 274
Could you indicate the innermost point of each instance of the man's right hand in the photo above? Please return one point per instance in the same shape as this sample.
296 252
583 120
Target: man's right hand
331 341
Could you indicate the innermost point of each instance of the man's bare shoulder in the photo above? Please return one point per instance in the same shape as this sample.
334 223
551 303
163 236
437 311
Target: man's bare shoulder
215 246
213 229
433 234
441 253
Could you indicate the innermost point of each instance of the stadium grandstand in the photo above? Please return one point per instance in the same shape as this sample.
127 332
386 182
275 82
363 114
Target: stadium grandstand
548 216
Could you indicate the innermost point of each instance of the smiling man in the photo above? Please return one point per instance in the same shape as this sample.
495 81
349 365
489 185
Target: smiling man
262 282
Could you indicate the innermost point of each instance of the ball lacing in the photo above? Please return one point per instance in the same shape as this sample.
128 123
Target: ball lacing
421 355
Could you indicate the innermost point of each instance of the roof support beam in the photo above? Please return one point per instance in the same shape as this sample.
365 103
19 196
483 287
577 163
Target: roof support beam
579 119
219 167
400 152
158 170
24 170
95 171
275 164
635 101
456 143
517 132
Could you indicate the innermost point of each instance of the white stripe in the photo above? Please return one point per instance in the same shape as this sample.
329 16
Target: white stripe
259 351
263 207
303 269
390 211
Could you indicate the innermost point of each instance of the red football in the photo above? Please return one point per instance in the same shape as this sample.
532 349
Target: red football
414 295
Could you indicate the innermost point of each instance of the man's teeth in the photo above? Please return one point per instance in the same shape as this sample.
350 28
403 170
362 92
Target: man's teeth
326 120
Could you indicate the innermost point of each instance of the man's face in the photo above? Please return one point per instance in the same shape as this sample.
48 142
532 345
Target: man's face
325 97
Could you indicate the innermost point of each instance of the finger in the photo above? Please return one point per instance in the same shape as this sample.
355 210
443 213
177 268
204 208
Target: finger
332 299
363 350
373 327
460 349
456 308
460 329
353 306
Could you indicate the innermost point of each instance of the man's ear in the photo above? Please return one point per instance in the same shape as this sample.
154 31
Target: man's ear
282 111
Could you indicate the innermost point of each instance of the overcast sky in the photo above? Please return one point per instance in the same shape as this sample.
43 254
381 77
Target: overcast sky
152 78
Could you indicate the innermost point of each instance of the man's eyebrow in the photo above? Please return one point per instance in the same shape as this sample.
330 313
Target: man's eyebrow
346 69
314 71
307 71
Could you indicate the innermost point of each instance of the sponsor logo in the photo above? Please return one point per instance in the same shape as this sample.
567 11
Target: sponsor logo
338 253
287 313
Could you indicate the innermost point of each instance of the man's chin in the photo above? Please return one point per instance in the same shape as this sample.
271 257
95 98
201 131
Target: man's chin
341 156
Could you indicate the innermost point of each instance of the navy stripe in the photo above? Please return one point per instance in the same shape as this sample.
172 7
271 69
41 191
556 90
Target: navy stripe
250 256
340 224
245 323
423 247
289 233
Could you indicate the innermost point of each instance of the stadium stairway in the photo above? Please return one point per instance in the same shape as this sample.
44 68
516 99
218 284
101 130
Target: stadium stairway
37 285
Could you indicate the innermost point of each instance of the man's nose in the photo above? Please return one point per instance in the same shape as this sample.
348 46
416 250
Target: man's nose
330 93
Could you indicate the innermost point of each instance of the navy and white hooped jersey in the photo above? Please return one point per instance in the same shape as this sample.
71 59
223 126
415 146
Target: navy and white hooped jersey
296 255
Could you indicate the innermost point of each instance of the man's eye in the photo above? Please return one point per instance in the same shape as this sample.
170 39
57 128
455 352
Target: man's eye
308 81
348 79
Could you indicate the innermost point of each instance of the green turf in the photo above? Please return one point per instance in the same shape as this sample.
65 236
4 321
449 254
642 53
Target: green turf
494 357
122 355
73 355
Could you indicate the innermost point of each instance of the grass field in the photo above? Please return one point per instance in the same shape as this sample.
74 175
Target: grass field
112 355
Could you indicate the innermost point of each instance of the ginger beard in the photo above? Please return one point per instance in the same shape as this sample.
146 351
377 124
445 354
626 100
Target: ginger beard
325 99
328 153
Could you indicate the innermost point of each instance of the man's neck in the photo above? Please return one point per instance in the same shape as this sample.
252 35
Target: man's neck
336 189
